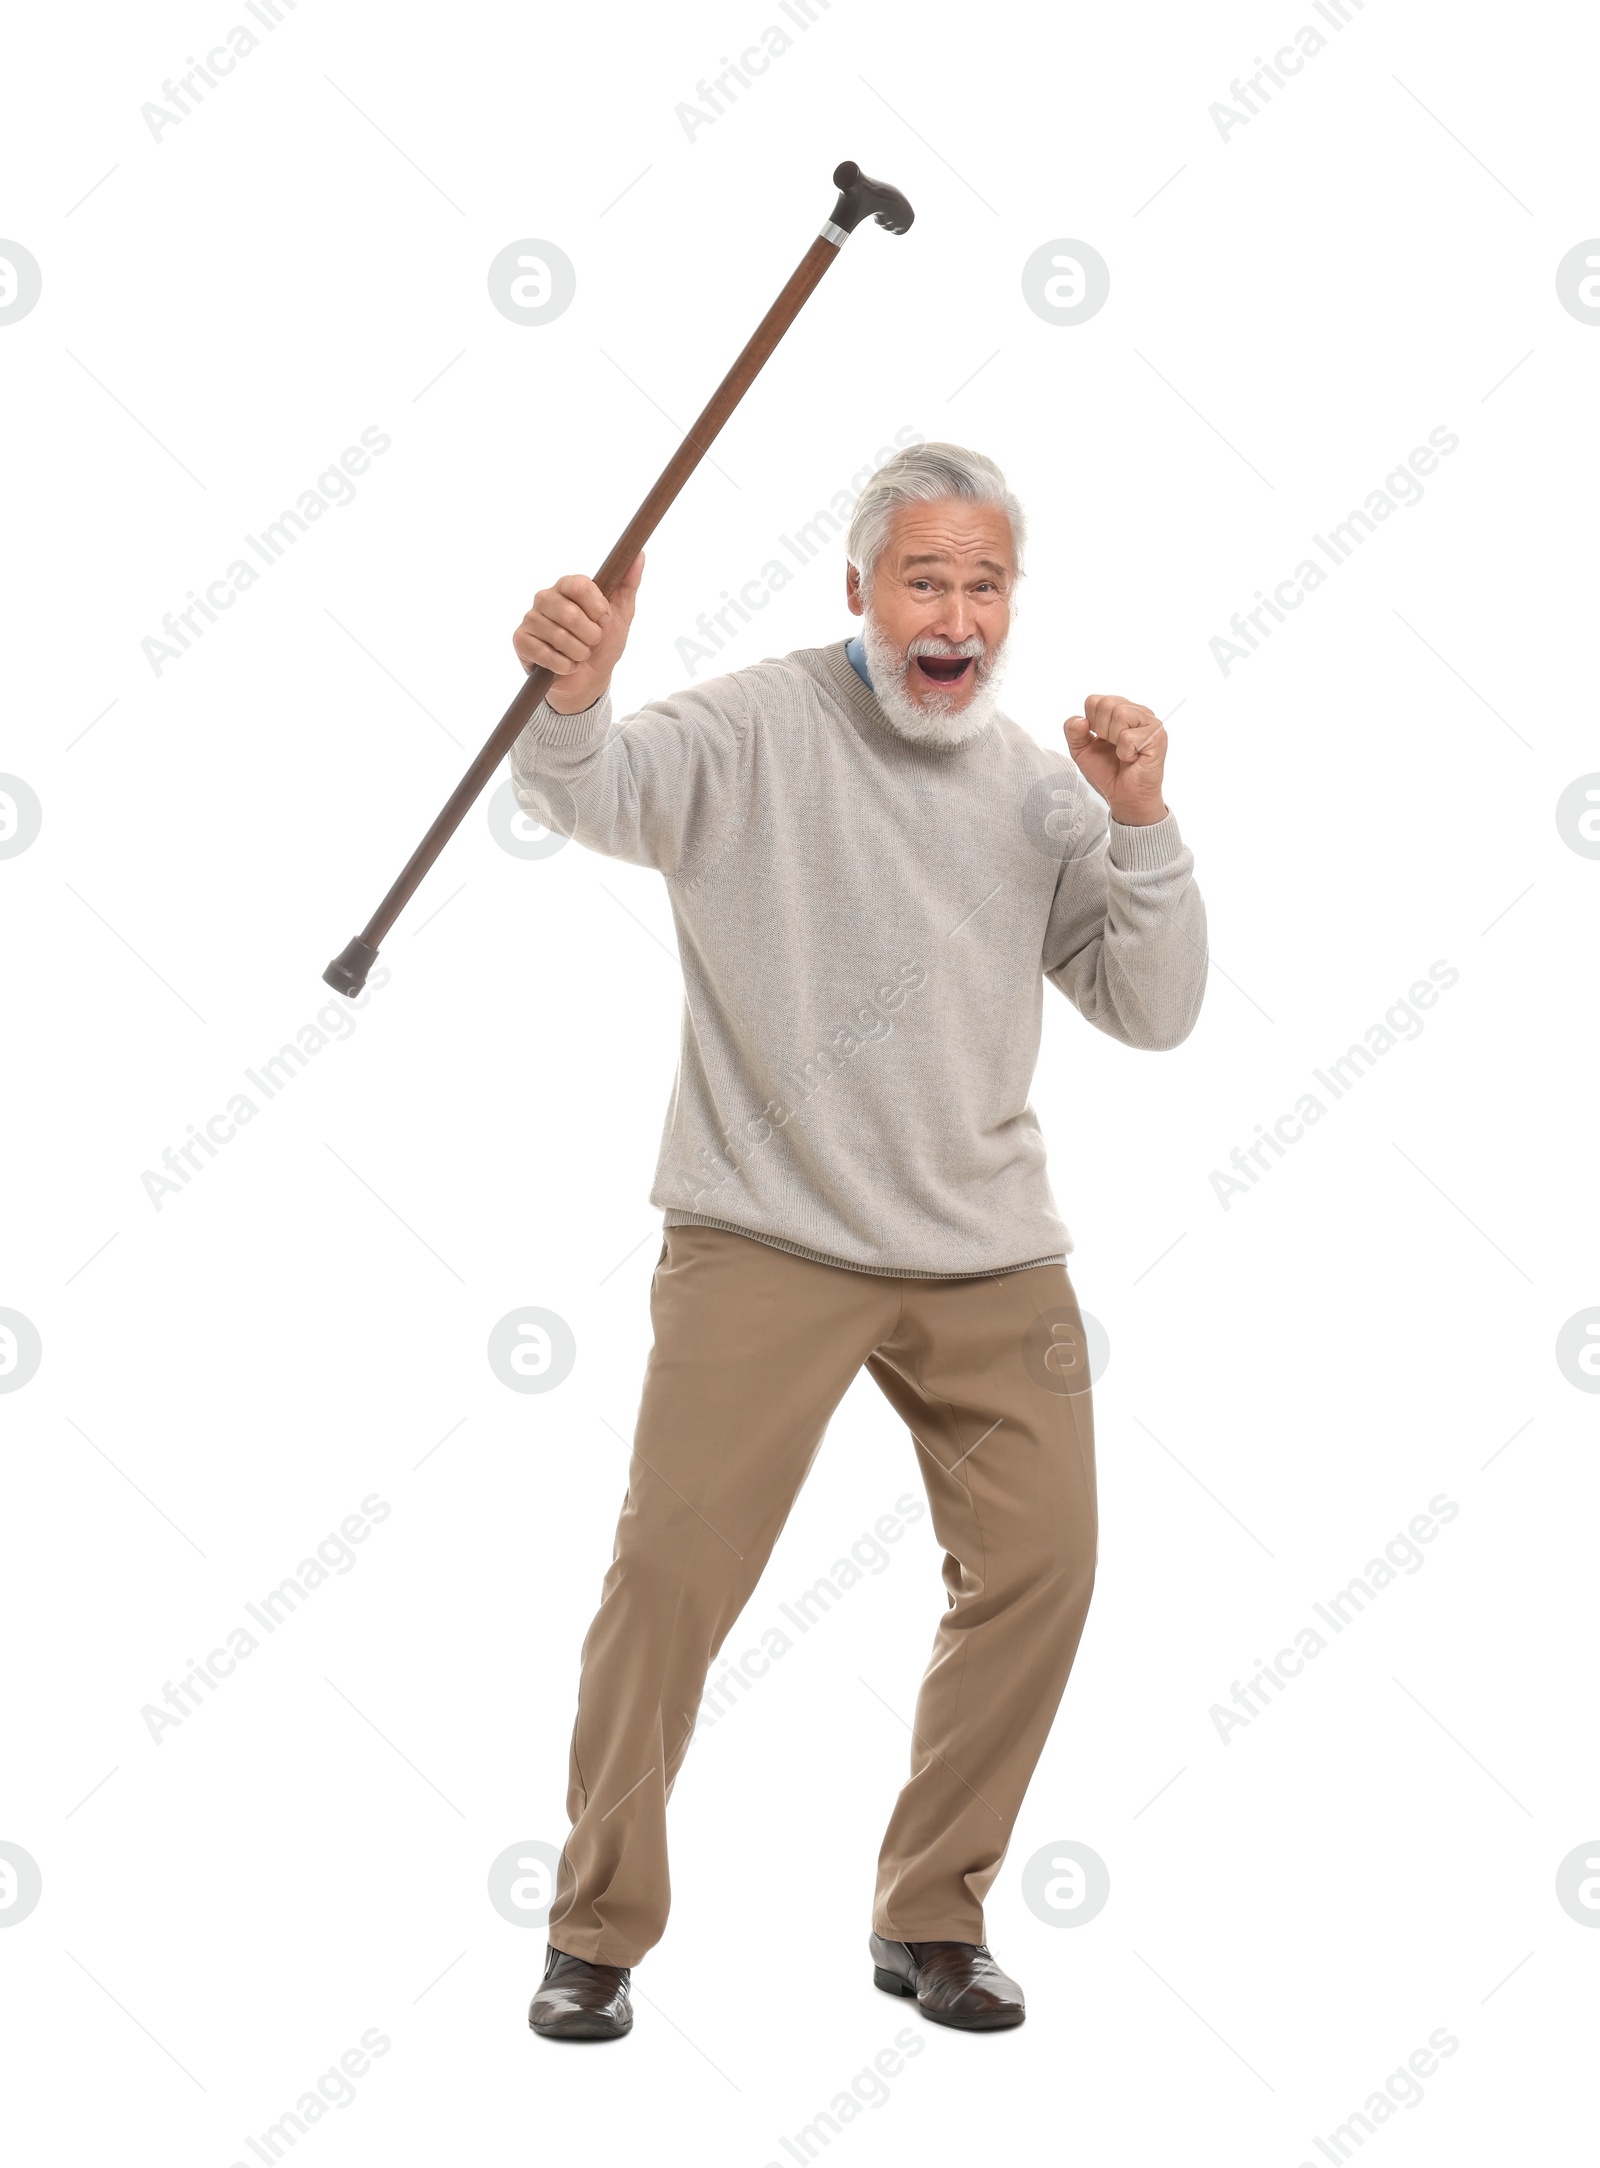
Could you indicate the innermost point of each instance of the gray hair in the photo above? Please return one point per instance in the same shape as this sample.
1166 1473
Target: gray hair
923 474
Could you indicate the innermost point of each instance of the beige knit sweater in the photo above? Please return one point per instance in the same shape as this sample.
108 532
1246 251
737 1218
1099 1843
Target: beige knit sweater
865 928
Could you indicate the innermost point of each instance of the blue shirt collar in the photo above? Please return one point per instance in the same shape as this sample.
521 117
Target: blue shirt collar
856 655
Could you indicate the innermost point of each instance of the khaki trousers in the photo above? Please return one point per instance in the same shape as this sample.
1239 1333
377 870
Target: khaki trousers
754 1349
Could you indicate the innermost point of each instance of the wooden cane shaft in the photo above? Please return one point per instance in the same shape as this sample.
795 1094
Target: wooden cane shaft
696 443
708 424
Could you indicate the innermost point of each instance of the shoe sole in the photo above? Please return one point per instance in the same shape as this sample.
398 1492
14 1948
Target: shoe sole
894 1983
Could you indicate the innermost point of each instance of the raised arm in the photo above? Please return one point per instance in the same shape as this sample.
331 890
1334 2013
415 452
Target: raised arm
1126 940
662 787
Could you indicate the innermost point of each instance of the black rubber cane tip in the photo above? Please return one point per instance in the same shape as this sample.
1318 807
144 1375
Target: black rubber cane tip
863 197
347 974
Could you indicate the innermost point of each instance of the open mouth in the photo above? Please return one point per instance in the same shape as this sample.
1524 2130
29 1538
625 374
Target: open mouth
944 669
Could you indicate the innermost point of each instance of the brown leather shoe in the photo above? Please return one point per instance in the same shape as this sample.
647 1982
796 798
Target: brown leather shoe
579 2001
955 1983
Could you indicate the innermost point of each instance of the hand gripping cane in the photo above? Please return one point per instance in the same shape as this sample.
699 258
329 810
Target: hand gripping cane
861 198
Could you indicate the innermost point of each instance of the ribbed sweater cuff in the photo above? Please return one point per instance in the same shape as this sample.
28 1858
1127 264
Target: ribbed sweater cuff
1143 849
552 728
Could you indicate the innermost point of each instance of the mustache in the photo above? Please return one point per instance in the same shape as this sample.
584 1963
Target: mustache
985 658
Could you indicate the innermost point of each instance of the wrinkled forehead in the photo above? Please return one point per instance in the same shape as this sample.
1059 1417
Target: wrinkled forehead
954 533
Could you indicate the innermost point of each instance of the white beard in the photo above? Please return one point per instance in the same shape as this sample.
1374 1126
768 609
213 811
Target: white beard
934 719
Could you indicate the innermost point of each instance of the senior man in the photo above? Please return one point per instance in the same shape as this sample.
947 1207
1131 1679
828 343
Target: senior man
872 872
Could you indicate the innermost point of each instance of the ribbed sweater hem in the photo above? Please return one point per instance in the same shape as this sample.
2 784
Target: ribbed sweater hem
847 1264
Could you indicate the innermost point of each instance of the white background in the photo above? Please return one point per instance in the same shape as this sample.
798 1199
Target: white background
225 1378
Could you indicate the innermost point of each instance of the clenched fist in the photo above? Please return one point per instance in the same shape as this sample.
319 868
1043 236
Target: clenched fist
575 633
1121 750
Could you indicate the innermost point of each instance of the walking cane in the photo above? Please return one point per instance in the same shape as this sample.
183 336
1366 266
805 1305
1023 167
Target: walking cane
861 198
